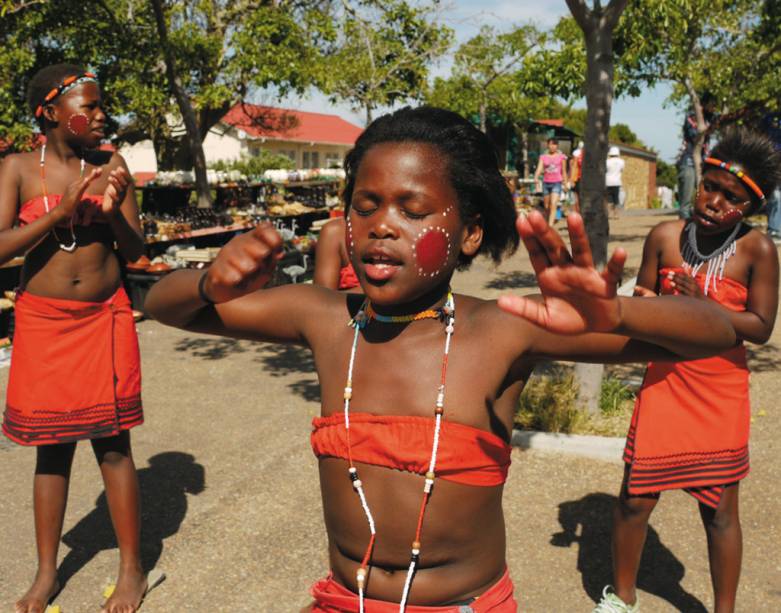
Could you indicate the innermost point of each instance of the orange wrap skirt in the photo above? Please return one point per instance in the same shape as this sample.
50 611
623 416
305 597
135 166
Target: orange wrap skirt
690 427
75 370
332 597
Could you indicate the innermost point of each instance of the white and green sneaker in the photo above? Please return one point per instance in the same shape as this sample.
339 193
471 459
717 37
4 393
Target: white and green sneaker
611 603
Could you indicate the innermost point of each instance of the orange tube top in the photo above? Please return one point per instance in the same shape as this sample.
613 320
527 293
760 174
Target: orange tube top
728 293
466 454
34 208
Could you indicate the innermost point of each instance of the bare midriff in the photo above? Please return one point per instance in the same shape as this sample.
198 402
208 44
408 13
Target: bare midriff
90 273
463 538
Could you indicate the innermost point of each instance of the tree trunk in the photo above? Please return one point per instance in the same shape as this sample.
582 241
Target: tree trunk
702 129
368 115
483 122
185 108
525 152
599 99
597 25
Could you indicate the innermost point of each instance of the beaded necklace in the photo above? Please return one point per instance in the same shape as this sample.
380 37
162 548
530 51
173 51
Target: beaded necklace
693 259
69 248
366 313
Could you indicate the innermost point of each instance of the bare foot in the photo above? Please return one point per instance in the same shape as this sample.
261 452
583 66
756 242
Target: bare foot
37 597
128 594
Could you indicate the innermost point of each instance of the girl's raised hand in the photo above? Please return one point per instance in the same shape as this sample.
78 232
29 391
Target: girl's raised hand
74 193
244 265
685 285
577 297
118 180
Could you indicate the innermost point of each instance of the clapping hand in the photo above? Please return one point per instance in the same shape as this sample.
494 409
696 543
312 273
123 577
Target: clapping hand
576 297
118 181
684 285
244 265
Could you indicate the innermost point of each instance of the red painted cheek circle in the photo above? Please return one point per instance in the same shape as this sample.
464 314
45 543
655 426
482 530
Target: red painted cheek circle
78 123
731 216
431 251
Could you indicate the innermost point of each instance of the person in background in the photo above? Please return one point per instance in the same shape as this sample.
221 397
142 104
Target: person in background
687 178
615 169
553 168
771 126
575 172
332 264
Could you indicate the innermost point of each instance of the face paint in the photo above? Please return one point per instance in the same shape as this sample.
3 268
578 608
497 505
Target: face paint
348 236
432 250
78 124
731 216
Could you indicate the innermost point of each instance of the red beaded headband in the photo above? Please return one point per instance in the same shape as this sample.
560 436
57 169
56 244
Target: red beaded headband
67 83
736 170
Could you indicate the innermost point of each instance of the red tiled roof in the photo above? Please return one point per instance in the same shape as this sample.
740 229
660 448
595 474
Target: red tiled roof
290 125
555 123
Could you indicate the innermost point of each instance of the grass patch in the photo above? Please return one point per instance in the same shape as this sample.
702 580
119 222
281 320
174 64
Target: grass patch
549 403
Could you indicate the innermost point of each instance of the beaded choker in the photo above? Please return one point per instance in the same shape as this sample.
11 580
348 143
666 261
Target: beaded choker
448 314
72 246
67 84
740 174
367 313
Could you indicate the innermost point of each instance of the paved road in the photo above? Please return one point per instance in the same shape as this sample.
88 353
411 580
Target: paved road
231 498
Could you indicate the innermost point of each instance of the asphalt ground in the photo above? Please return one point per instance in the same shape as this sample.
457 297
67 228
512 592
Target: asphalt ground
231 501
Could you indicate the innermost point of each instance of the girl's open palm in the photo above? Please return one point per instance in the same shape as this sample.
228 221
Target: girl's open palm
576 297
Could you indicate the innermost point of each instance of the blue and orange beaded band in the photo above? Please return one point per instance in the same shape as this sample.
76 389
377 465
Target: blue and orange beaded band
740 174
67 84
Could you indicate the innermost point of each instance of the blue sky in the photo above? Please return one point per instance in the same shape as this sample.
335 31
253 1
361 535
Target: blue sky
656 125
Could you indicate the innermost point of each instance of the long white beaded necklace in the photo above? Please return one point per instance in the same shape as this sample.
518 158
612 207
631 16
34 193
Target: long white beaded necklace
361 319
69 248
717 259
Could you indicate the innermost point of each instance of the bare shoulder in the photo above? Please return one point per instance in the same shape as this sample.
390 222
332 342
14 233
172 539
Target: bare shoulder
759 244
500 330
333 230
16 162
666 230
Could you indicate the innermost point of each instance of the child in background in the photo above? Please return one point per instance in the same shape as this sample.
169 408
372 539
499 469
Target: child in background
553 168
332 263
75 368
419 391
690 426
615 169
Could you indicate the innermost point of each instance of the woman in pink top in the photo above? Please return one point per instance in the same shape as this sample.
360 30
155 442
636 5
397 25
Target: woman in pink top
553 167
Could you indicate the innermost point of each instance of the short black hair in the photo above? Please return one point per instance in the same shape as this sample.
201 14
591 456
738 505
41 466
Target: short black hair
755 154
472 164
45 80
552 140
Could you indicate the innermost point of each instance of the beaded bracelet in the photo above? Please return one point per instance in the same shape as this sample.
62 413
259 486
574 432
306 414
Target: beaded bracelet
202 291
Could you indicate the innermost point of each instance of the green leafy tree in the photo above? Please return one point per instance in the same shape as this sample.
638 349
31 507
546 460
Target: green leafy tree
383 53
223 52
726 48
485 71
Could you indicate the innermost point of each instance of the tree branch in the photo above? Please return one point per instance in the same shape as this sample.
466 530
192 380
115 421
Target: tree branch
581 13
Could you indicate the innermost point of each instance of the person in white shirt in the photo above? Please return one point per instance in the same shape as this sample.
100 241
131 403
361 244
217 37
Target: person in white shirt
615 168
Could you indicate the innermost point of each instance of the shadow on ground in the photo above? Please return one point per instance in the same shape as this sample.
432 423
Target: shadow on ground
587 522
626 238
284 360
210 348
164 484
764 358
512 280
